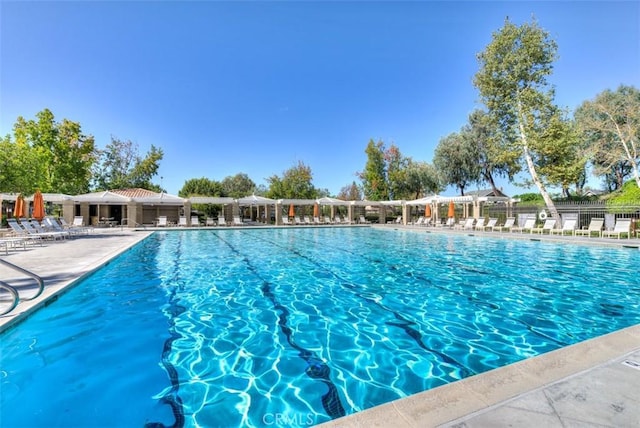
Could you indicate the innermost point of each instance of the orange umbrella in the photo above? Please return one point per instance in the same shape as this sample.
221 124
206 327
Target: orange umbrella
292 212
38 206
427 210
452 210
316 210
18 211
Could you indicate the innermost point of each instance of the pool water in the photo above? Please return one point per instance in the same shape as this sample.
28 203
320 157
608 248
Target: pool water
295 327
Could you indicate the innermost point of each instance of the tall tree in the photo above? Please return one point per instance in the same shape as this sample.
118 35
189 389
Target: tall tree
396 166
238 186
456 159
295 183
122 167
512 81
611 124
374 176
63 156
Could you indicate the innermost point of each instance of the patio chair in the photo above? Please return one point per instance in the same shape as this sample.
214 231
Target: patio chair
419 221
467 224
529 223
195 221
162 221
490 224
568 226
237 221
548 226
595 226
316 220
182 221
286 222
622 226
51 225
363 220
21 232
209 222
327 220
506 227
479 225
221 221
307 220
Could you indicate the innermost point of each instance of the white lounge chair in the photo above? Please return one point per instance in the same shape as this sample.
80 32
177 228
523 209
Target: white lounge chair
221 221
22 233
507 226
595 226
363 220
286 222
548 226
307 220
327 220
491 224
162 221
569 226
316 220
182 221
479 225
195 221
237 221
466 225
209 222
529 224
622 226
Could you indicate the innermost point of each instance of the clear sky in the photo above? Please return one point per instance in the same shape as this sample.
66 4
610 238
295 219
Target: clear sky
255 87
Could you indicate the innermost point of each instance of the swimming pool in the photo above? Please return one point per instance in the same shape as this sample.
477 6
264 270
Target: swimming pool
241 328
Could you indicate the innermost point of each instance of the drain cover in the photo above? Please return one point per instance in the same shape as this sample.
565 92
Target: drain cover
632 364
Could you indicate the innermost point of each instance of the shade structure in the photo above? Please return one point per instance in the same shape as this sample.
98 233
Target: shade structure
316 210
19 208
427 210
292 212
38 206
452 210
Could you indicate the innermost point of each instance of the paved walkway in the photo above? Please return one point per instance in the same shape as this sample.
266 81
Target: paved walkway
591 384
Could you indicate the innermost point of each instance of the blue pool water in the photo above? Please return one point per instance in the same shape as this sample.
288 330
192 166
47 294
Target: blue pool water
274 327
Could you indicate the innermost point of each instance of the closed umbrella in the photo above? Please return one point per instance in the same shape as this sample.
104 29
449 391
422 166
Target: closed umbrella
19 208
452 210
427 211
292 212
316 210
38 206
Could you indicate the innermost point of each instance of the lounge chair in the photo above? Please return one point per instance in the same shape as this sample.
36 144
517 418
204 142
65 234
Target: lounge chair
34 228
307 220
622 226
491 224
479 224
337 220
595 226
21 232
419 221
466 225
162 221
327 220
182 221
568 226
507 226
76 230
316 220
51 225
529 223
548 226
221 221
195 221
209 222
298 220
286 222
363 220
78 221
237 221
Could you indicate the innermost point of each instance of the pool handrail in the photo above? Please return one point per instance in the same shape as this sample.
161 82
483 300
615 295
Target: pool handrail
28 273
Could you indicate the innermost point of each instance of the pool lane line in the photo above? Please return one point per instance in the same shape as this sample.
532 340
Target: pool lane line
474 300
403 323
171 397
316 367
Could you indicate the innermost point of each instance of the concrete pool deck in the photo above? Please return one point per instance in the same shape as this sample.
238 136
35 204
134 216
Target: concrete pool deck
595 383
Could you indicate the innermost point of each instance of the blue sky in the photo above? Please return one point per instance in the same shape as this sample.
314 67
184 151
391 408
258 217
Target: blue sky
255 87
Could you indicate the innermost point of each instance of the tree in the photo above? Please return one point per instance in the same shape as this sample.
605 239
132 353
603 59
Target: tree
200 187
561 157
374 176
295 183
121 166
456 159
492 158
56 157
396 167
238 186
611 124
512 81
422 179
350 192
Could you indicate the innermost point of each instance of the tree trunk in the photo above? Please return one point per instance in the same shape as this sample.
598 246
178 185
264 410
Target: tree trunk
534 176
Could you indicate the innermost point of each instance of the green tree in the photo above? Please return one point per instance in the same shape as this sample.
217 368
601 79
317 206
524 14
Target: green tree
200 187
561 157
374 176
295 183
422 179
56 156
121 166
396 166
19 167
238 186
611 125
456 159
512 81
